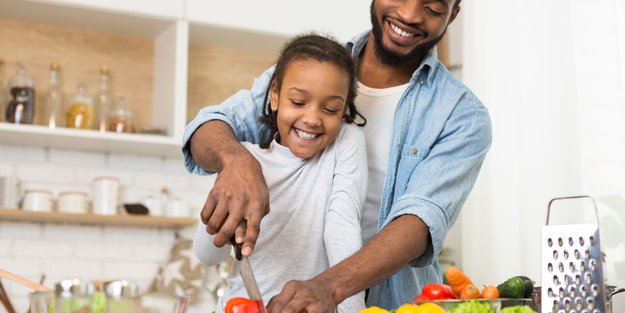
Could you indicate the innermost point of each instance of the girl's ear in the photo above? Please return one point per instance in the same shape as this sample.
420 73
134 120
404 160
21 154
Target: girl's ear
273 96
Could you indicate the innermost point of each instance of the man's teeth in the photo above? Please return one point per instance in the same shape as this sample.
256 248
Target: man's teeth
400 32
304 135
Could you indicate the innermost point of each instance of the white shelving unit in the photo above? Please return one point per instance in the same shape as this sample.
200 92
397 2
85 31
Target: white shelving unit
253 26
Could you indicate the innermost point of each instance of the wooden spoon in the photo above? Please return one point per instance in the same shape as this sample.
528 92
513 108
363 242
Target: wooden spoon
23 281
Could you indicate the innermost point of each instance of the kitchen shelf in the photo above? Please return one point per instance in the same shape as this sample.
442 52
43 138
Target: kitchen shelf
97 220
65 138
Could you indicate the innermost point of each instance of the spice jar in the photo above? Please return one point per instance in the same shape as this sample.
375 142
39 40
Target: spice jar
120 117
21 106
80 112
73 295
122 296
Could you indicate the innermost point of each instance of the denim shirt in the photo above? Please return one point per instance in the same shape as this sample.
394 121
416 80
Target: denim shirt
441 133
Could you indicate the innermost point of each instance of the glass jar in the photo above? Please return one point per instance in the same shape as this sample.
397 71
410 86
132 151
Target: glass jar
120 117
104 100
73 295
21 103
122 296
80 113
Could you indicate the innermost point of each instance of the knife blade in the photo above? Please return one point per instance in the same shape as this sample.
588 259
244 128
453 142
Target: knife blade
247 275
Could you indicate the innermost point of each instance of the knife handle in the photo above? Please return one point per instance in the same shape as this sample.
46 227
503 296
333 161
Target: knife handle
237 249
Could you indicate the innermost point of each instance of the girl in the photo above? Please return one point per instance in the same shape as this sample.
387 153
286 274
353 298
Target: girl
314 163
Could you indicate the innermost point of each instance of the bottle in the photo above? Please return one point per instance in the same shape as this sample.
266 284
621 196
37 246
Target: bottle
54 99
120 117
2 91
104 99
21 103
79 113
73 295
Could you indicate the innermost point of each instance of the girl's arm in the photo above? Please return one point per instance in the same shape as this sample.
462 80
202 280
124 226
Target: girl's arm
342 232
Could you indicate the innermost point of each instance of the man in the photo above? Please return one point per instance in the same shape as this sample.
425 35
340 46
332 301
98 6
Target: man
427 136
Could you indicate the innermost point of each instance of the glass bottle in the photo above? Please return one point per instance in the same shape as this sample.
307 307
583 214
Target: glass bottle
104 99
2 91
120 117
54 99
21 103
79 112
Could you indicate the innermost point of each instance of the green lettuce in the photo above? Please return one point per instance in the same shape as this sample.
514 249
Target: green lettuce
518 309
473 307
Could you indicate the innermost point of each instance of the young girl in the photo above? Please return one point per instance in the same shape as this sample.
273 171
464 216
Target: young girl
314 163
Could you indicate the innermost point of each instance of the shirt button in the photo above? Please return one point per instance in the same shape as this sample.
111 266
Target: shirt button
421 82
413 151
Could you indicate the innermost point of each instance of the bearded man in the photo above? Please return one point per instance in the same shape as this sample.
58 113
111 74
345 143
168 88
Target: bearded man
427 136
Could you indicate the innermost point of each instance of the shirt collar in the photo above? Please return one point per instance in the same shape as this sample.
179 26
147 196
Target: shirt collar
426 69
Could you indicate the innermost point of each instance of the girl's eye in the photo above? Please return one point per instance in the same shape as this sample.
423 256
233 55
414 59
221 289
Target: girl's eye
297 103
331 110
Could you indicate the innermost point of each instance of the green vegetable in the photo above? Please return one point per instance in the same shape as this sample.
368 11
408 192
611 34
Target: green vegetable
529 286
472 307
517 309
512 288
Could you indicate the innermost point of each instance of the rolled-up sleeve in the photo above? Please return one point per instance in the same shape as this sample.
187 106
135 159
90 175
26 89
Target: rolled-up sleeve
241 112
441 182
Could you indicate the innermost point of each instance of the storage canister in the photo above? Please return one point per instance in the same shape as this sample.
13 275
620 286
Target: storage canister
73 295
105 194
122 296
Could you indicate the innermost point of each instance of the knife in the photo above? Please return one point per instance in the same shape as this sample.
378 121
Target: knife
247 275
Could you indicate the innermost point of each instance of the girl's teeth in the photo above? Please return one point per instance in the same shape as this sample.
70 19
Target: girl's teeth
305 135
401 32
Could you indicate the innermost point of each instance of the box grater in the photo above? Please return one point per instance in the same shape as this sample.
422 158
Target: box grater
572 271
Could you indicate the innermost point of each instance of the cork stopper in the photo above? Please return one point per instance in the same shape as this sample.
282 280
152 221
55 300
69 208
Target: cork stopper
55 66
104 70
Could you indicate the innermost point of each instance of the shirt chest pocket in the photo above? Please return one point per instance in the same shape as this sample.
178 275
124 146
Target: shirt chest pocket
411 156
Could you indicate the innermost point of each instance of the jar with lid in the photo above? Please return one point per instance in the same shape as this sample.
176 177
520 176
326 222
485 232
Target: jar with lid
21 103
73 295
120 117
80 112
122 296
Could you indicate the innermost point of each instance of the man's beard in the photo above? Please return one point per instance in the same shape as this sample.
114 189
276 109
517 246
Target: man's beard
392 58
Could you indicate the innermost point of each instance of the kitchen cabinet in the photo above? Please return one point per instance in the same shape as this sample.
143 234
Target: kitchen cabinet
153 48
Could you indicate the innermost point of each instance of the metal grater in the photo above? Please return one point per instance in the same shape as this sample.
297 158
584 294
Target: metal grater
572 271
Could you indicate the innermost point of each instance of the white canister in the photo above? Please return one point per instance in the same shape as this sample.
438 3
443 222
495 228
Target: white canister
72 202
8 192
177 207
105 194
37 201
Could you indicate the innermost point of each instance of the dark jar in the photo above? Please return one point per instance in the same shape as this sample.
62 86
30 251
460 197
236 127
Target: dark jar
21 106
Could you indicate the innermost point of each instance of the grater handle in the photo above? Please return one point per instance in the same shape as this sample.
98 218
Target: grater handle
572 197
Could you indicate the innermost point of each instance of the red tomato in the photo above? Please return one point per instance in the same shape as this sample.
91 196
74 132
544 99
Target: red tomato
420 298
241 305
438 292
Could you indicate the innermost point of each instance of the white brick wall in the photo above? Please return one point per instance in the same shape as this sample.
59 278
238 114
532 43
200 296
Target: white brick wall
91 252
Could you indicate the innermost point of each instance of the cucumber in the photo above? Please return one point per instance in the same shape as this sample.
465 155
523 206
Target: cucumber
512 288
529 286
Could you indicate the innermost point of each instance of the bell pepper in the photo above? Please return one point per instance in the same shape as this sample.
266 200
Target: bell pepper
241 305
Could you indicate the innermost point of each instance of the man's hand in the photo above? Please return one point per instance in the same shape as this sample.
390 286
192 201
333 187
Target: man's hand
240 192
303 296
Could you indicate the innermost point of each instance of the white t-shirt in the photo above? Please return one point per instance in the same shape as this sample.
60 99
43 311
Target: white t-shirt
314 218
378 107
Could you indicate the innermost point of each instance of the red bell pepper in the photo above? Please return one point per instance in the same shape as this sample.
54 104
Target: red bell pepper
241 305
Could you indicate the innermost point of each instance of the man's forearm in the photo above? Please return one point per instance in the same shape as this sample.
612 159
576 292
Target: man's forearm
211 143
400 242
